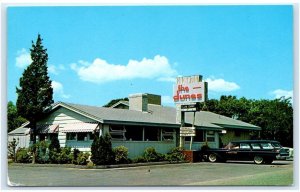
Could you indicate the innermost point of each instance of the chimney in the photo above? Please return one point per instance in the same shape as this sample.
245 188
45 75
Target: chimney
140 101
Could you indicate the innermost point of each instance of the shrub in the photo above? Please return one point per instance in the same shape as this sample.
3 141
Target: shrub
23 155
12 146
90 165
65 155
175 155
42 152
75 155
82 158
95 156
139 159
54 144
121 154
54 150
151 155
102 153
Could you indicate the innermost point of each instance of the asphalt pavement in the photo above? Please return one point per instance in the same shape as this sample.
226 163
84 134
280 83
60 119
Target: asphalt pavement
279 173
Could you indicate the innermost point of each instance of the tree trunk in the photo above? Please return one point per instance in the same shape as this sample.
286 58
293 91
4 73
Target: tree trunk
33 142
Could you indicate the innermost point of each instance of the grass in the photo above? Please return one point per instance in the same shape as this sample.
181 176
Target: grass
278 178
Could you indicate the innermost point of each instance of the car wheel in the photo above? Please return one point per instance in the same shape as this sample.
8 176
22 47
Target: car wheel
258 159
212 157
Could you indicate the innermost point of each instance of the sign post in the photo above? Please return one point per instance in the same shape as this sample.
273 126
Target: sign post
188 92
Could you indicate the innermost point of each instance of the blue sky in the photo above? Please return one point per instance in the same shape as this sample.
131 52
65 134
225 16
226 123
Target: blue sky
101 53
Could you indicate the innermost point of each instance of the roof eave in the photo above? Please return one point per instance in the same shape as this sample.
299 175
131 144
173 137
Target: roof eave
239 127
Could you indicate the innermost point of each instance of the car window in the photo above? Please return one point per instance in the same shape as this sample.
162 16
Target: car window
235 146
255 146
244 146
276 145
266 146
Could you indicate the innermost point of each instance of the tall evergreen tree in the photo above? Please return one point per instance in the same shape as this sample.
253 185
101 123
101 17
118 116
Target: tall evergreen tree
35 93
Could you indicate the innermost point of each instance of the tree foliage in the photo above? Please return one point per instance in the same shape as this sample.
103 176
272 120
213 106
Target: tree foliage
35 93
114 101
14 120
101 149
275 117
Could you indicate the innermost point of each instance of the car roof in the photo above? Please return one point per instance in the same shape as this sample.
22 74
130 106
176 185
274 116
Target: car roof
255 141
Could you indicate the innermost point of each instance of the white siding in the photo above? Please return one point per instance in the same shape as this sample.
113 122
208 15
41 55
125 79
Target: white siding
63 115
23 140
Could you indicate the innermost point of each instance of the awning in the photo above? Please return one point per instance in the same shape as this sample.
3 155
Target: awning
78 127
47 128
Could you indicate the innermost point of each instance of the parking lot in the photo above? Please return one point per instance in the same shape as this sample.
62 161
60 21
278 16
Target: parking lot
279 173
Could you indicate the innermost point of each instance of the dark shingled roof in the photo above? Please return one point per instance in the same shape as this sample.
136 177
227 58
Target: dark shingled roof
157 115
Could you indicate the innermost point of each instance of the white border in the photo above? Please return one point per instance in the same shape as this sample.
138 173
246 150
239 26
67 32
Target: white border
3 77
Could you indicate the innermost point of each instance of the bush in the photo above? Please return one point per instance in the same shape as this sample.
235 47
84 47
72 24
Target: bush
54 150
23 156
151 155
82 158
54 144
75 155
42 152
121 154
65 156
139 159
102 153
175 155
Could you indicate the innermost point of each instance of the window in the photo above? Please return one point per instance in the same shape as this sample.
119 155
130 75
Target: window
92 136
244 146
199 136
266 145
117 132
237 133
71 136
134 133
81 136
255 146
167 134
210 136
152 134
234 146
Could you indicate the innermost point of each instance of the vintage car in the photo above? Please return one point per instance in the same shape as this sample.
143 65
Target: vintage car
260 151
283 151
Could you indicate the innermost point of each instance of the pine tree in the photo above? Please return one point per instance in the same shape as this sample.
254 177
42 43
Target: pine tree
101 149
35 93
95 150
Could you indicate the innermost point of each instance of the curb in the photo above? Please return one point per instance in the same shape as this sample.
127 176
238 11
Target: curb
97 166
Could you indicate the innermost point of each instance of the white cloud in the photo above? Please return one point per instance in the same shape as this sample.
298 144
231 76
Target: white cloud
59 90
278 93
23 58
55 70
100 71
220 85
167 99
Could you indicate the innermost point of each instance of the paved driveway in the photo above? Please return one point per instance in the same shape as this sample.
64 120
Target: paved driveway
195 174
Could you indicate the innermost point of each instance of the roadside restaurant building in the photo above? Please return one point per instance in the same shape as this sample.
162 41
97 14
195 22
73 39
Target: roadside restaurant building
136 124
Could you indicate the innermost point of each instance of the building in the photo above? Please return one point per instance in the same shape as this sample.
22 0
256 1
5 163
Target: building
137 124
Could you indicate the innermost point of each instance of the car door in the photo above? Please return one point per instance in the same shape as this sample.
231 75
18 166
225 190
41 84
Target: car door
244 151
232 152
